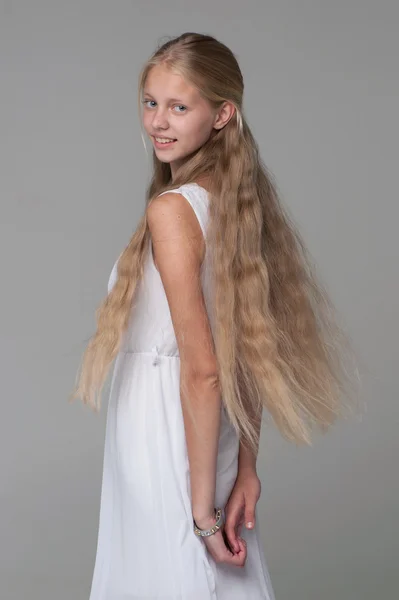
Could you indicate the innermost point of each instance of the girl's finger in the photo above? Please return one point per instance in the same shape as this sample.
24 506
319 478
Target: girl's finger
240 557
250 515
231 547
239 524
230 528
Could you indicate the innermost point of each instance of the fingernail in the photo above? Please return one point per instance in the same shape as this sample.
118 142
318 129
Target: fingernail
250 525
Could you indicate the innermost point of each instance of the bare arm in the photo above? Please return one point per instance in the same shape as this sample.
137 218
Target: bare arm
178 248
247 457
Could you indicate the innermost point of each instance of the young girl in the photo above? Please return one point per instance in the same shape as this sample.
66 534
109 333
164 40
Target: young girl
212 314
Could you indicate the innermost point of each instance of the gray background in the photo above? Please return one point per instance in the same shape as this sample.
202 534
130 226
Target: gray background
322 98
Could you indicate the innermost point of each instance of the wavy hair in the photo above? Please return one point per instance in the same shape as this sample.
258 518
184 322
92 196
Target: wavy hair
276 338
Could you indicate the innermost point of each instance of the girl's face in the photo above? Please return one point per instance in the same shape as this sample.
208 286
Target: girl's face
175 110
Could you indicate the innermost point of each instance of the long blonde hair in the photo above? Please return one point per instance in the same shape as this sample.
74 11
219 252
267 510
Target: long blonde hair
276 341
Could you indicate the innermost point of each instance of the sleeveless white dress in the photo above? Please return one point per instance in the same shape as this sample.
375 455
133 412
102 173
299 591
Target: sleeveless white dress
146 547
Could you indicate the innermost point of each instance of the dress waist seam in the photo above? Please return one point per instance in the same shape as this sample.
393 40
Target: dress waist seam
149 353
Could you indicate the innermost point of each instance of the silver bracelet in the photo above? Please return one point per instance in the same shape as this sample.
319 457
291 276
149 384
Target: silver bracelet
214 528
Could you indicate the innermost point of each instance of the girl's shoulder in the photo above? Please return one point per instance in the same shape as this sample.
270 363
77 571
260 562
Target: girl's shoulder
197 196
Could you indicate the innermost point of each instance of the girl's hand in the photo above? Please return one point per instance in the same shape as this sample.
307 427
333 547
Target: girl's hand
240 507
218 546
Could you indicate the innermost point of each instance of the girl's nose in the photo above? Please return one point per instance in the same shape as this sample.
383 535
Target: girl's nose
160 120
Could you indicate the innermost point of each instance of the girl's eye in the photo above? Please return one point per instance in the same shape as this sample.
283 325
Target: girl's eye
181 106
178 105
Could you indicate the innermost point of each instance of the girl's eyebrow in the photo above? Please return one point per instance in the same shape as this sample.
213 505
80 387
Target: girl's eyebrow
170 99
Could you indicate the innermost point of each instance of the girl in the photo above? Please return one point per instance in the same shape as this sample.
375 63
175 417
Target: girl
212 314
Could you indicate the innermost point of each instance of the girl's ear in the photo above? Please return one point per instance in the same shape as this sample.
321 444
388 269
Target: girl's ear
224 114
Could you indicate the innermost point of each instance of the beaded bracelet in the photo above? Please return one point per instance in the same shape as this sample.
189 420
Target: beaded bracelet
214 528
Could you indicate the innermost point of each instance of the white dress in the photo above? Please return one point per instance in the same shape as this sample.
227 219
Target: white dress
146 548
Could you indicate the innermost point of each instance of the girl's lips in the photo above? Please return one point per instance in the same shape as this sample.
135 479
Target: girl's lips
163 144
